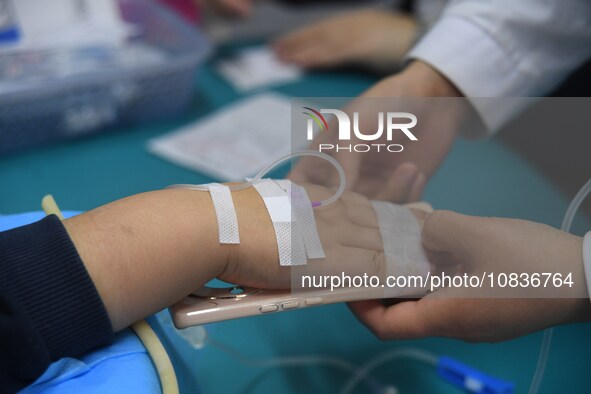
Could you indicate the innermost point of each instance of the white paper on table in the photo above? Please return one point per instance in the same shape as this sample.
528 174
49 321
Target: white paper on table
257 67
233 143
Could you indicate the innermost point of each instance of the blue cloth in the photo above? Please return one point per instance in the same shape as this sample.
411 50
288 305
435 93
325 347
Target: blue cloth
123 367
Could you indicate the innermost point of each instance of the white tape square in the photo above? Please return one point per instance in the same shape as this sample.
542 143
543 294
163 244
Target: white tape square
401 237
276 197
279 208
306 222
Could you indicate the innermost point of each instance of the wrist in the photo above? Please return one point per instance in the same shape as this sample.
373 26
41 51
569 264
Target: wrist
257 239
429 81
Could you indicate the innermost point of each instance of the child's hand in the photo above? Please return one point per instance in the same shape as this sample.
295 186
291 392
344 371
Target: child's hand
373 38
348 230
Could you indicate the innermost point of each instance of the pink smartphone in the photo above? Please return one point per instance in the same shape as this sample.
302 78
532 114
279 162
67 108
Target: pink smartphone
209 305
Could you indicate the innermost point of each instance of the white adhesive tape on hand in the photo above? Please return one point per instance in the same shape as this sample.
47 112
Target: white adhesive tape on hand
225 213
405 256
304 219
291 248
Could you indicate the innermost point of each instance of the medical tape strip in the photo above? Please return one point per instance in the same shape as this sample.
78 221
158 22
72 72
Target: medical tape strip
304 219
401 236
225 213
291 248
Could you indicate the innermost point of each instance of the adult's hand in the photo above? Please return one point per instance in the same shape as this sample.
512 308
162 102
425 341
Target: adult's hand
397 177
474 245
373 38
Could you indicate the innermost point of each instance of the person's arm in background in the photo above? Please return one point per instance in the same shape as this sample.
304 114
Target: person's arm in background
66 286
398 177
473 245
497 48
506 48
377 39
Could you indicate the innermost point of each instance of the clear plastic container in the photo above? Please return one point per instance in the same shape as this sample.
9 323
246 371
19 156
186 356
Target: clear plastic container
48 95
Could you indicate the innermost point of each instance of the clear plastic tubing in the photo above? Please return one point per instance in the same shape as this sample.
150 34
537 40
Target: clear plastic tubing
410 353
258 177
547 339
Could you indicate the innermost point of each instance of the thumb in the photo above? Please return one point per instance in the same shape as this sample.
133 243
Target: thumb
303 172
351 164
310 169
405 183
453 233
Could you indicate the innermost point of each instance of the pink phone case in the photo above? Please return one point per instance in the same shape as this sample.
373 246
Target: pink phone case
210 305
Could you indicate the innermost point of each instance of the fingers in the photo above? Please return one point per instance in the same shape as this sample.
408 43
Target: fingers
435 314
405 320
355 199
319 171
401 185
421 206
416 191
371 187
351 164
313 170
303 172
317 45
309 56
294 41
292 48
453 233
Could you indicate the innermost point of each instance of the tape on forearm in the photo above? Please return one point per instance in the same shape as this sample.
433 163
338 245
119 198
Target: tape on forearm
405 256
225 213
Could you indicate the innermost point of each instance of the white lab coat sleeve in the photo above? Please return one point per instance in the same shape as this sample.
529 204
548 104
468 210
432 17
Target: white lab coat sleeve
507 48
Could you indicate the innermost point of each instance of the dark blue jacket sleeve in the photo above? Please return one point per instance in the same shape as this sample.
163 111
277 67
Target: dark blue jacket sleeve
49 307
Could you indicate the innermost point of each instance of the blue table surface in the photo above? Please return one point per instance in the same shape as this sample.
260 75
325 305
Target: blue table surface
480 178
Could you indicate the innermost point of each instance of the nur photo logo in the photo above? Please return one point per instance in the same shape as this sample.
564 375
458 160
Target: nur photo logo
390 124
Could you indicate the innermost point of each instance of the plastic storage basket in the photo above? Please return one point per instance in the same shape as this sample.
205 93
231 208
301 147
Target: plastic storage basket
45 108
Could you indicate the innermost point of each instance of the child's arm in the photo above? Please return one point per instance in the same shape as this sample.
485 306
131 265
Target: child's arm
142 254
147 251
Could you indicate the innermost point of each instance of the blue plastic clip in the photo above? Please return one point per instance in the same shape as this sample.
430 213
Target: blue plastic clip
471 380
9 35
